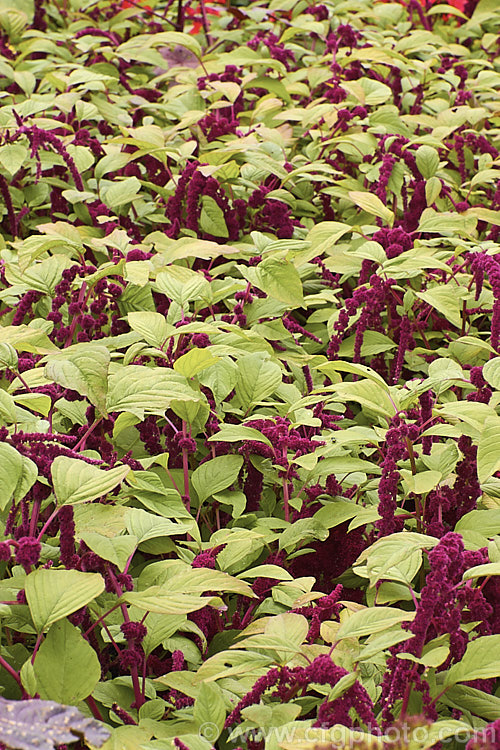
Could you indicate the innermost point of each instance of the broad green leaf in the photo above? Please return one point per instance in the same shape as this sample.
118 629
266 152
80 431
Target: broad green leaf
18 474
280 279
66 666
54 594
491 372
27 339
474 700
194 361
422 482
434 222
76 481
290 627
216 475
488 450
368 394
427 161
12 156
83 368
301 530
128 737
117 549
209 709
372 620
480 661
200 580
220 378
121 192
160 627
146 390
372 204
151 325
37 402
158 599
356 369
447 300
181 284
212 218
480 571
8 413
267 571
342 465
144 525
485 522
8 357
257 379
230 433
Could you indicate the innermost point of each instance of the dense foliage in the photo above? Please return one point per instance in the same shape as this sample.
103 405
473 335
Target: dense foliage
250 361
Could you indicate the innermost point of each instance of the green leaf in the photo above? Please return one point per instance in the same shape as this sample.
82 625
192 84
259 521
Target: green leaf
117 549
181 284
485 522
372 204
480 661
144 525
151 326
158 599
209 709
368 394
216 475
194 361
83 368
18 474
491 372
372 620
232 433
66 666
427 161
76 481
446 299
330 368
422 482
212 218
473 700
146 390
121 192
280 279
220 378
488 450
433 222
301 530
478 571
54 594
257 379
12 156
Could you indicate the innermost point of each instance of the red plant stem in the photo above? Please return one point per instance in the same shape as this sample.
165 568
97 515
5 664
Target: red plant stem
37 646
35 513
4 190
286 496
248 614
139 698
127 564
12 672
81 443
48 522
185 469
406 696
204 21
101 618
72 327
21 380
94 708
